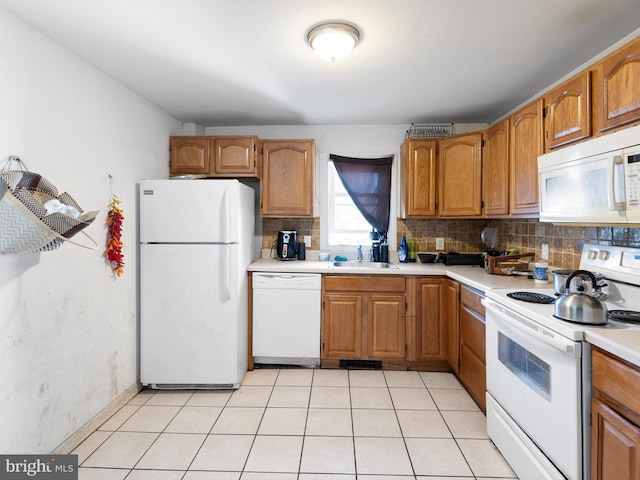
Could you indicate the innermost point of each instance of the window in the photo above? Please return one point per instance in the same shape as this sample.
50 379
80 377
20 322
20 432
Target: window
346 225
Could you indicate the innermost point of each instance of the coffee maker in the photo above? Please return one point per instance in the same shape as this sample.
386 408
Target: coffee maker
287 244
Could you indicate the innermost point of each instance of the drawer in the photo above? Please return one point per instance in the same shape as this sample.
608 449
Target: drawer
473 375
472 298
617 380
364 283
472 331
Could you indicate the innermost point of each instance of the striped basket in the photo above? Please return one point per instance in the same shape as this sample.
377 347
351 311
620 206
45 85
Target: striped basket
25 226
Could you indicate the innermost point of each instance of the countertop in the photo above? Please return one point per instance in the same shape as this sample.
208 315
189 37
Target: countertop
475 277
623 343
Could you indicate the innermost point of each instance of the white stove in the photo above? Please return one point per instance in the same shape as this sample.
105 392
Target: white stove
539 370
620 267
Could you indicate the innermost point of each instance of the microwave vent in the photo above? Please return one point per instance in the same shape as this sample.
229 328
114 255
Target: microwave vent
430 130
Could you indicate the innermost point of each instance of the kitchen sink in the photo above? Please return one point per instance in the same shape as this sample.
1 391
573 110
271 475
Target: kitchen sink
363 264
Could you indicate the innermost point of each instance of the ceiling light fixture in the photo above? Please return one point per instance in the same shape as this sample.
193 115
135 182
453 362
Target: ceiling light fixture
333 41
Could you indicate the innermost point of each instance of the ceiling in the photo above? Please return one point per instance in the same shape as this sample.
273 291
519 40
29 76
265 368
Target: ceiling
246 62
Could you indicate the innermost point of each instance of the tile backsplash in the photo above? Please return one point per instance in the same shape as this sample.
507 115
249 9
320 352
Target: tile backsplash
526 235
304 226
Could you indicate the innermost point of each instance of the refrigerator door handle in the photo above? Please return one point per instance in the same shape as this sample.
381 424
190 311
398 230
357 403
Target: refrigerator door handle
225 294
225 213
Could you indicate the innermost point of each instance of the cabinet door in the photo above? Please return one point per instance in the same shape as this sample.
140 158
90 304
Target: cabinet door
235 156
568 109
495 169
452 323
472 345
526 144
189 156
615 445
286 188
617 88
386 328
460 176
342 326
418 178
431 335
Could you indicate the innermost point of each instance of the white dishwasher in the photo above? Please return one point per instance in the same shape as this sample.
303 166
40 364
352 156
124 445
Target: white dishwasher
286 318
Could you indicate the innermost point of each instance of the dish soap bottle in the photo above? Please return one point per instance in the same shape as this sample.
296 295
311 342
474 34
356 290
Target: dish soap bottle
402 250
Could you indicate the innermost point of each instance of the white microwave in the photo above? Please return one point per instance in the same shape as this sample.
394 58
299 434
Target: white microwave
596 181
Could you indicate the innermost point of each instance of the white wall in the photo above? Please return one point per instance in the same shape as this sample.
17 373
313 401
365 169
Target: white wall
68 336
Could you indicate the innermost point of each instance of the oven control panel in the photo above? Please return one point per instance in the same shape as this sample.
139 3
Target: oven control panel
615 263
631 260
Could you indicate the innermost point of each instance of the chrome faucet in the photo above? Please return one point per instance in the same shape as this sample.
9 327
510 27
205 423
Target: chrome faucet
359 253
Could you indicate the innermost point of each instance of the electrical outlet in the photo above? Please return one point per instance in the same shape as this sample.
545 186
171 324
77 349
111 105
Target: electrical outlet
307 241
545 251
439 243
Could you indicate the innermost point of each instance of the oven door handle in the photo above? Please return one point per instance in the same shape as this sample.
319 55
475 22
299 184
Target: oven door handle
533 329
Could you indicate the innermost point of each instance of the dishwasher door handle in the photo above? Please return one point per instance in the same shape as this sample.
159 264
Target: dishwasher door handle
283 281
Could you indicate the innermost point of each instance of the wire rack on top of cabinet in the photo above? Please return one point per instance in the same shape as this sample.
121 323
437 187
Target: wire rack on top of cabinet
430 130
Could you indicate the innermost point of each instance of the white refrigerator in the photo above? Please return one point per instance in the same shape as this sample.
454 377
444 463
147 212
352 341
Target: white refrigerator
196 240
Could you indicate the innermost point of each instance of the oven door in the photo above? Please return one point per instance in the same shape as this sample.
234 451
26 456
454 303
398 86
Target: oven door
535 376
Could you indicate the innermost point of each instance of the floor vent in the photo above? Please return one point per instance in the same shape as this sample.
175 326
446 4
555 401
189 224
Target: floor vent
374 364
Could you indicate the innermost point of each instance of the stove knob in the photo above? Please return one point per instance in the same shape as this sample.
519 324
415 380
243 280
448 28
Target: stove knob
603 255
592 255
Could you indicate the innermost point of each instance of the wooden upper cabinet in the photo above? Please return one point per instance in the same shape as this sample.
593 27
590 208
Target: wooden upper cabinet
568 111
617 88
236 156
227 157
418 178
460 176
526 144
495 169
189 155
286 188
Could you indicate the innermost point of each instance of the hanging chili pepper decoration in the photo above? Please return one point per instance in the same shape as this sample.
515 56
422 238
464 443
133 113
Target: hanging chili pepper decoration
113 253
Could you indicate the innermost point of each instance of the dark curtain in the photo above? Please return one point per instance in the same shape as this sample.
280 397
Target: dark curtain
368 182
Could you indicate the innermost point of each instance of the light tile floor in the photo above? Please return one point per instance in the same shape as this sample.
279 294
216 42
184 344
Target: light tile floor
299 424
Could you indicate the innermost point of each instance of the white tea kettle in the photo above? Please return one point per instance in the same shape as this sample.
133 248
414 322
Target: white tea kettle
577 306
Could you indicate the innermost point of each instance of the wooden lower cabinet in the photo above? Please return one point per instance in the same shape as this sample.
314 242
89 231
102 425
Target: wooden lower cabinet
342 326
419 323
616 444
427 347
386 329
472 367
451 315
364 318
615 419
